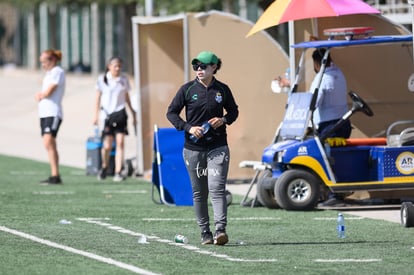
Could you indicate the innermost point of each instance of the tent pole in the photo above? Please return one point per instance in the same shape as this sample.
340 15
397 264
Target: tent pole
292 56
411 2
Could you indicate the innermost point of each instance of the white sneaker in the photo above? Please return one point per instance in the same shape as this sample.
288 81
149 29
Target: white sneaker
118 177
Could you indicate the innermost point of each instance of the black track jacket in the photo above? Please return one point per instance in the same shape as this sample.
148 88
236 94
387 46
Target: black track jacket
202 104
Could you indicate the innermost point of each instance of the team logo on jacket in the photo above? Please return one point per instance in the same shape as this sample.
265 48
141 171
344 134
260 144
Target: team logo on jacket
219 98
195 96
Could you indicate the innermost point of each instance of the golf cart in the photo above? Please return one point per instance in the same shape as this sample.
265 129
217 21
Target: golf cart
300 167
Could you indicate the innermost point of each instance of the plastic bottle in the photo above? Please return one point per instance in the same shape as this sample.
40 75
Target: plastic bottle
206 126
340 226
180 239
287 76
96 131
287 73
142 239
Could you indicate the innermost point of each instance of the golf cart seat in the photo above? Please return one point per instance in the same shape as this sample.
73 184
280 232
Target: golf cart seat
399 134
407 137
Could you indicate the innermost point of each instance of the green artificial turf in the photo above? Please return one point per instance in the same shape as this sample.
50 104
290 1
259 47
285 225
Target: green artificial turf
107 220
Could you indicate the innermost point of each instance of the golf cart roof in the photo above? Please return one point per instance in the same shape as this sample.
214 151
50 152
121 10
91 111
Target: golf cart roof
356 42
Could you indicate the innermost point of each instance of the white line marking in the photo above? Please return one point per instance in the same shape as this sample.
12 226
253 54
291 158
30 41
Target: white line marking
79 252
233 219
124 191
334 218
77 173
347 260
53 193
255 219
29 173
170 242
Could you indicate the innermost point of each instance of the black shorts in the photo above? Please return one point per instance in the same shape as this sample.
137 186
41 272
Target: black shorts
50 125
116 123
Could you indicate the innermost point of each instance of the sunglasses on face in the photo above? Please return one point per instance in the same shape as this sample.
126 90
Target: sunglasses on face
201 66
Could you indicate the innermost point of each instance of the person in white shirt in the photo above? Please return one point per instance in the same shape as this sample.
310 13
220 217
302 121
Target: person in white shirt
331 103
50 109
111 99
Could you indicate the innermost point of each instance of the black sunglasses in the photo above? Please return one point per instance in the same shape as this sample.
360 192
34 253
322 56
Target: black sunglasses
201 65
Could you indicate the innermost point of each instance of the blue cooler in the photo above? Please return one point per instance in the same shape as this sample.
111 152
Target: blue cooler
93 157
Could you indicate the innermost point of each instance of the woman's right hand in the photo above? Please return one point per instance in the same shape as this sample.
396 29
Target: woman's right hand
95 121
197 131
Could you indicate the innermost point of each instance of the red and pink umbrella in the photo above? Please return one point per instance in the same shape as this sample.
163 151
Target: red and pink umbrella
281 11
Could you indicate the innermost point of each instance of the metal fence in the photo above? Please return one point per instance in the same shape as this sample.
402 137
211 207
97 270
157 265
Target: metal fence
87 35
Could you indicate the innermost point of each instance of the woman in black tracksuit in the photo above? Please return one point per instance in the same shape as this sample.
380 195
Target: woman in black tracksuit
206 153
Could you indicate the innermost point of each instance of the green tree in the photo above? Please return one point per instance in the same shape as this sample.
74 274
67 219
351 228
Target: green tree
129 9
169 6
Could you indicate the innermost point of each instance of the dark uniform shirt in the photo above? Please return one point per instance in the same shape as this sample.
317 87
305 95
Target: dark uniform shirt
201 104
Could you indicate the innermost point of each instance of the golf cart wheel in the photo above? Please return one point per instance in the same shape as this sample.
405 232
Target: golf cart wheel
265 193
407 214
297 190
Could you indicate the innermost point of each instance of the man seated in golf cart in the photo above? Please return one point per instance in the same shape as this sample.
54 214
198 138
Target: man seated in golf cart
332 97
331 104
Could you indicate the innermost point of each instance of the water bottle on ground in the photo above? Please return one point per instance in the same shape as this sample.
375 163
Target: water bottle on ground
206 127
340 226
180 239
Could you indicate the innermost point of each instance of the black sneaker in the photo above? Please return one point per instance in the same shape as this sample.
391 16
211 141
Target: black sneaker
102 174
51 180
220 237
206 237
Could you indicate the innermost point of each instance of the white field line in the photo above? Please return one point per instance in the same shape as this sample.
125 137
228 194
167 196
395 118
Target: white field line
79 252
26 173
232 219
347 260
103 192
334 218
124 191
53 193
98 221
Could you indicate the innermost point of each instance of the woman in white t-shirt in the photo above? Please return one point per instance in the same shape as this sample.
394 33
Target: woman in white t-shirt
111 98
50 108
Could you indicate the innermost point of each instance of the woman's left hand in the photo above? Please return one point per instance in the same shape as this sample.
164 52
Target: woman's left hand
216 122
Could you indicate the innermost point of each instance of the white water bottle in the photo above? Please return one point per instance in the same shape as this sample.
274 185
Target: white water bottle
340 226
